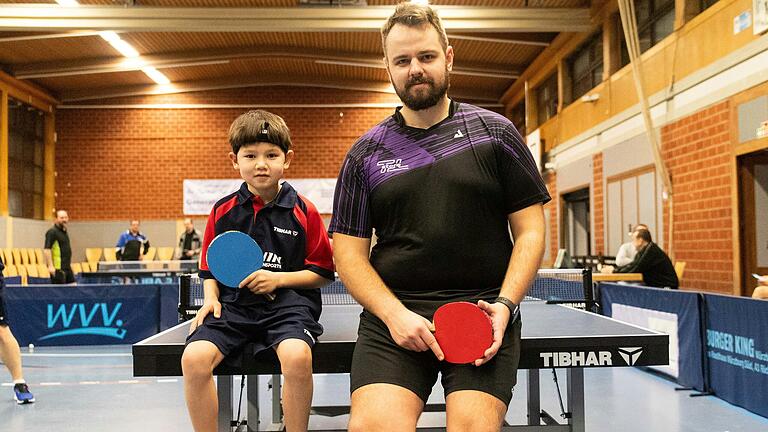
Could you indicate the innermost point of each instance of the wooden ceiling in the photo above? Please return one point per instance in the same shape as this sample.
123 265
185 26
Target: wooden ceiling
201 44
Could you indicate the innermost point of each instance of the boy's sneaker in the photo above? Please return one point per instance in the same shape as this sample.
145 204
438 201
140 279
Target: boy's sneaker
22 395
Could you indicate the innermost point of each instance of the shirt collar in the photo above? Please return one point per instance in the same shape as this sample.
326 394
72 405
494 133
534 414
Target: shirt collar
400 120
285 198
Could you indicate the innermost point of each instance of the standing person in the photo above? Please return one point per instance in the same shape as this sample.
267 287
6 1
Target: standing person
58 251
190 242
10 354
290 231
132 244
442 183
627 251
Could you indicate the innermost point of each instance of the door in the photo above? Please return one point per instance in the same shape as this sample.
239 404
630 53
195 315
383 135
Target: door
576 232
753 217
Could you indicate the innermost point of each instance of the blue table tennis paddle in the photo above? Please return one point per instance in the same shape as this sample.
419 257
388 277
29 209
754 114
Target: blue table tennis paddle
232 256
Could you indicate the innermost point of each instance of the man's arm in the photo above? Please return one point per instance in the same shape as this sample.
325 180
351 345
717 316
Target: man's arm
622 257
408 329
49 261
528 232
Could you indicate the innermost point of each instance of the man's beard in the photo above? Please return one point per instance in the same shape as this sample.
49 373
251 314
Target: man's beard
423 99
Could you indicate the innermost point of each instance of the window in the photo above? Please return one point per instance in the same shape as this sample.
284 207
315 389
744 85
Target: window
586 66
546 99
655 21
26 146
518 117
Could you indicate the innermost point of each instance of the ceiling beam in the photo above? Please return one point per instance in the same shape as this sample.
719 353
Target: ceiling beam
326 19
42 36
244 82
213 55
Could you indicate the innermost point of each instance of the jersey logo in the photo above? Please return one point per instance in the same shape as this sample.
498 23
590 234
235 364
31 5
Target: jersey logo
286 231
272 260
458 134
391 165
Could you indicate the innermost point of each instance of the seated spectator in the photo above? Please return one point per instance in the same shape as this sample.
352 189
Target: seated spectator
132 244
627 251
651 261
190 242
761 290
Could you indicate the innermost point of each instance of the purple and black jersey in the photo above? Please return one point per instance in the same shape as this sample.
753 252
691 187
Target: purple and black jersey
438 199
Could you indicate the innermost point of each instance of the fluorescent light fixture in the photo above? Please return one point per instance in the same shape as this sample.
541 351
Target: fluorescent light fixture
124 47
68 3
156 75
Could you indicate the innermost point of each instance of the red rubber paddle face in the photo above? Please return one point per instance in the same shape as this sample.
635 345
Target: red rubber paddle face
463 330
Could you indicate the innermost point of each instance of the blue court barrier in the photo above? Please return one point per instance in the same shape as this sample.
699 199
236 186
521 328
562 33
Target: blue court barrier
737 350
89 314
681 306
13 280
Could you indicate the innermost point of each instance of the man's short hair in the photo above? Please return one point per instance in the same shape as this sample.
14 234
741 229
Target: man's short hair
413 15
644 234
250 128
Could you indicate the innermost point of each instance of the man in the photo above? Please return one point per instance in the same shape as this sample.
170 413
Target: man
10 354
627 251
189 242
418 178
651 261
58 251
132 244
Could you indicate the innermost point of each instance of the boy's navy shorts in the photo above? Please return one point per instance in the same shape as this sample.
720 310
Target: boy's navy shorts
259 324
378 359
2 303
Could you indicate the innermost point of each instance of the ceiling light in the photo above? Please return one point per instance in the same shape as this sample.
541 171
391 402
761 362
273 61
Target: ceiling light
68 3
124 47
156 75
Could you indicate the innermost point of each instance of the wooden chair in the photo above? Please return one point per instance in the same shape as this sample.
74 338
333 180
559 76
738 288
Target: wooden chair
39 256
6 256
165 253
92 255
42 270
76 268
680 269
10 270
16 256
110 254
150 255
24 256
23 273
85 266
31 270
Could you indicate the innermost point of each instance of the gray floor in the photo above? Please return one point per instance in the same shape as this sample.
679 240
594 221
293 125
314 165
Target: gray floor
92 389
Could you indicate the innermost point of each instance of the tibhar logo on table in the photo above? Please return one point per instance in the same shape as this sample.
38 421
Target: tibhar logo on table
79 319
589 358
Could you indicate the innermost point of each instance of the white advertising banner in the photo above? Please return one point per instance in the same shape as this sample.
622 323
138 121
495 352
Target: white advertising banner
201 195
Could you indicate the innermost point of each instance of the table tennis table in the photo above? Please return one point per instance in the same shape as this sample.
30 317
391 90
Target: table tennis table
553 336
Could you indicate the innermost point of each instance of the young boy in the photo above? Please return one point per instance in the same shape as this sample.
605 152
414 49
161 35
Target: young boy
298 260
10 353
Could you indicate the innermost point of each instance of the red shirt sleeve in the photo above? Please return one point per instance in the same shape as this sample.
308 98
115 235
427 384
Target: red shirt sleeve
318 255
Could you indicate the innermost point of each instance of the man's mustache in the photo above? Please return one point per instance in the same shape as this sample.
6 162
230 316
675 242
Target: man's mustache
416 81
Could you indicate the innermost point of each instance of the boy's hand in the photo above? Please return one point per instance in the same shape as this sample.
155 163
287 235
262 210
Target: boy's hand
208 307
261 282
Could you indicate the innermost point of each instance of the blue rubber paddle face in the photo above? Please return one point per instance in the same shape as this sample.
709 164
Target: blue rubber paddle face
232 256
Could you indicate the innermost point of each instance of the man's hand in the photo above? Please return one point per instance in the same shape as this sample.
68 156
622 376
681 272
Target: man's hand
414 332
189 253
500 316
209 306
262 282
52 270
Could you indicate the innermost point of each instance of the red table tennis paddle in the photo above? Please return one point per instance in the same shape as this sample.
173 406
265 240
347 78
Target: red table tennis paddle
232 256
463 331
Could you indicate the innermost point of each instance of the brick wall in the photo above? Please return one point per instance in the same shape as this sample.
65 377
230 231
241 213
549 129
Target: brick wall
130 163
697 151
550 179
598 204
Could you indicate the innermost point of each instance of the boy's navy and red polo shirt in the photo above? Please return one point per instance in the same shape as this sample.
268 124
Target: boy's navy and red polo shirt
288 229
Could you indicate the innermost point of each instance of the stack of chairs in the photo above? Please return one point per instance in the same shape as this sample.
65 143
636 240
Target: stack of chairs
26 263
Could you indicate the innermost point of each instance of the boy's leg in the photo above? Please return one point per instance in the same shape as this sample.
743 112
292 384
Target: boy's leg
10 353
197 363
296 363
474 410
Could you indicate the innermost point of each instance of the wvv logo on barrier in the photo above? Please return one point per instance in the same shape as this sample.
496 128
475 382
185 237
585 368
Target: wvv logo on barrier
88 323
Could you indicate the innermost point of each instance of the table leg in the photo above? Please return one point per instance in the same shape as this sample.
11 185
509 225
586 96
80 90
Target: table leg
534 401
575 404
253 403
224 392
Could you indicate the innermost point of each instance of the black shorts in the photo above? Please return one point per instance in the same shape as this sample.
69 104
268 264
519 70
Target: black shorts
378 359
259 324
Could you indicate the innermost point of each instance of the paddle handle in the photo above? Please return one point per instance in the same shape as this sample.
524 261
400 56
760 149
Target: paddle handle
269 296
